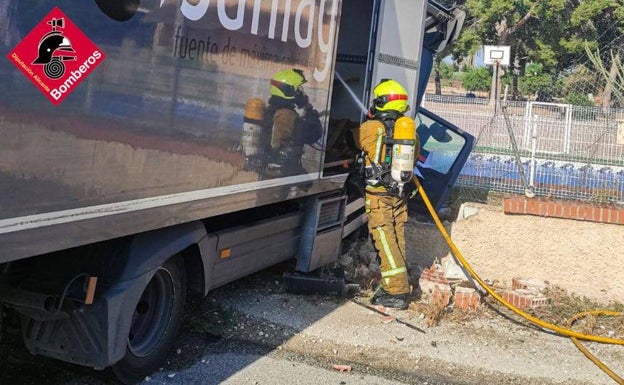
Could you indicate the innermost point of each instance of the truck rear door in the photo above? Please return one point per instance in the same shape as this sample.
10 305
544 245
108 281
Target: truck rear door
398 44
409 33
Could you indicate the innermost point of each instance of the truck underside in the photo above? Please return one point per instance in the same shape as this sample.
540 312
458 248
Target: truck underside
150 272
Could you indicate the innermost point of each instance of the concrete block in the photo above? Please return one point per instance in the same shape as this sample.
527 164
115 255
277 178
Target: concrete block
466 211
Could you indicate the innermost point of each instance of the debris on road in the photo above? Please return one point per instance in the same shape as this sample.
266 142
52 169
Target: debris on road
342 368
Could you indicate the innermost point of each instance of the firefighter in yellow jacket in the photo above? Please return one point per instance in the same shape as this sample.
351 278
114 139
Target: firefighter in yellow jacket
290 129
390 146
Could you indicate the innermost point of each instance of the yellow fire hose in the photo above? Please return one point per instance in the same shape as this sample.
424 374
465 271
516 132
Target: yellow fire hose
574 335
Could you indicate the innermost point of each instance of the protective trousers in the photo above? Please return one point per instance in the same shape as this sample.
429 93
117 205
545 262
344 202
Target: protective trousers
387 216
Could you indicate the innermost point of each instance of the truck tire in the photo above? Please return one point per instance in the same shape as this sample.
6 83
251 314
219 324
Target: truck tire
155 323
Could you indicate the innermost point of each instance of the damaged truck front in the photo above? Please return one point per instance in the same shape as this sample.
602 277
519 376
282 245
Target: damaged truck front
139 159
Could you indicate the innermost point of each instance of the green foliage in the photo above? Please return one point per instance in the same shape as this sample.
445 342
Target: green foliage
507 78
546 53
582 107
534 69
579 99
468 43
579 81
587 10
533 84
531 27
477 79
554 33
446 70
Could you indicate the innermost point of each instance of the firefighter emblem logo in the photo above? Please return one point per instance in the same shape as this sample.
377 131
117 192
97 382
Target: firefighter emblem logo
56 56
54 49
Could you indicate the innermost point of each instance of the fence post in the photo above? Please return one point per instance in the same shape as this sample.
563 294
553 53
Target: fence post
568 130
533 162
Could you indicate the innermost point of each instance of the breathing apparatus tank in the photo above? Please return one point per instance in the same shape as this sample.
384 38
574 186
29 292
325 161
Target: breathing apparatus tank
251 139
253 134
404 148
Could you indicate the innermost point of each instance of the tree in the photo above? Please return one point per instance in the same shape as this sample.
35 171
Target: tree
579 80
613 77
554 33
511 22
437 76
600 23
447 71
443 72
535 81
476 79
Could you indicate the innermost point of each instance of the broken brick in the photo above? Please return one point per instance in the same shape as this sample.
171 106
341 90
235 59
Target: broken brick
466 298
434 286
535 286
524 299
441 295
342 368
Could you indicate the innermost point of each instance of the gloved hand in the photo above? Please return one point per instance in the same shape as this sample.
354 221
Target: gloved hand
370 114
409 190
309 113
301 99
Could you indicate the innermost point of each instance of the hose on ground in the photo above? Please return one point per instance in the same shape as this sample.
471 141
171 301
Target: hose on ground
585 351
572 334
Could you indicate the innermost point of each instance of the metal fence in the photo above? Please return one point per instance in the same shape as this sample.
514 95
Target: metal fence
566 151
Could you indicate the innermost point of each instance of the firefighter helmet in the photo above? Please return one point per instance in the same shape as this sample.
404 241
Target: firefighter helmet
286 83
390 95
50 44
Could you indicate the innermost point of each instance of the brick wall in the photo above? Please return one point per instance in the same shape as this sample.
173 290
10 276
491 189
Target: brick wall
564 209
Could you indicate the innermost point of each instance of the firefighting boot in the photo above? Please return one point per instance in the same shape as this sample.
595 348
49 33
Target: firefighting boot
382 298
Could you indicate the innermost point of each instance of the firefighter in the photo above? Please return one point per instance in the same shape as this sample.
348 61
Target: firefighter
290 130
389 145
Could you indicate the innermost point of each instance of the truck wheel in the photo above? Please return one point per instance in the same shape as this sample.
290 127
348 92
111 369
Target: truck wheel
155 323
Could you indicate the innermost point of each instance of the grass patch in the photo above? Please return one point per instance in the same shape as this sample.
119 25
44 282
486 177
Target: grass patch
563 305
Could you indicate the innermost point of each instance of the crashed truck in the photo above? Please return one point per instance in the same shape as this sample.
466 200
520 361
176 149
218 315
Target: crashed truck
135 165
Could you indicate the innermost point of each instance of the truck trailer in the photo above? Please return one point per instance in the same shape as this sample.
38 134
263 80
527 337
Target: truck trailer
136 161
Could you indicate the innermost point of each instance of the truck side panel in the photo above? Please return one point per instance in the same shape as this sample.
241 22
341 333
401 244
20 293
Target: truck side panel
156 135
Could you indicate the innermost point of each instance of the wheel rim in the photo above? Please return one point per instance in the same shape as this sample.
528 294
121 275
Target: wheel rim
152 314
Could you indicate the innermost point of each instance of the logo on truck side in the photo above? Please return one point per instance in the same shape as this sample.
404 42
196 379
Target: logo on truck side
56 56
308 14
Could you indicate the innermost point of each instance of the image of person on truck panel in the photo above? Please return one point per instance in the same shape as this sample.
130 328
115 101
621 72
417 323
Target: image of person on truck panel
290 129
390 145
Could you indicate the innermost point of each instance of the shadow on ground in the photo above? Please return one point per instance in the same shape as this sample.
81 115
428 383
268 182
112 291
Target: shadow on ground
212 331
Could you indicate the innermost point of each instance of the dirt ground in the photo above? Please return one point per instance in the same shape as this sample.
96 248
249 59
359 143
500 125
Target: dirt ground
584 258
